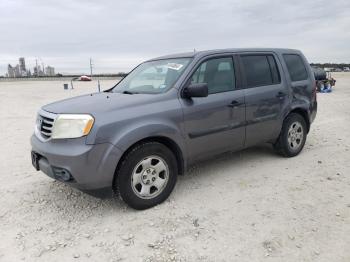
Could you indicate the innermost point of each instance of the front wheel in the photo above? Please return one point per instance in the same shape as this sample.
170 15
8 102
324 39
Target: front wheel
147 175
293 136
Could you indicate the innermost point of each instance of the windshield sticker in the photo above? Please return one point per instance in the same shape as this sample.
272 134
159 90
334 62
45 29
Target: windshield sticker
162 86
174 66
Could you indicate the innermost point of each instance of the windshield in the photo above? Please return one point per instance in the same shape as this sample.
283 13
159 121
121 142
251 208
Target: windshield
152 77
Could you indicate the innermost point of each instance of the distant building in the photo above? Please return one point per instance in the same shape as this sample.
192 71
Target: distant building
20 70
22 64
17 71
37 71
49 71
13 71
10 71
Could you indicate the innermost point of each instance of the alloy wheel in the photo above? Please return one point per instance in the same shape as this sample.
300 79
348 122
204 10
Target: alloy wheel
149 177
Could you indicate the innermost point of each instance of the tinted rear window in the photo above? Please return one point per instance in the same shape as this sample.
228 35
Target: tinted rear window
296 67
260 70
276 78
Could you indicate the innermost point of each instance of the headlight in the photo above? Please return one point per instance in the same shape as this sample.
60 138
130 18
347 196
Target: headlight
72 126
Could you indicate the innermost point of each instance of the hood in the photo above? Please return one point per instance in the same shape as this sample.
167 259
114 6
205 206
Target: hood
97 103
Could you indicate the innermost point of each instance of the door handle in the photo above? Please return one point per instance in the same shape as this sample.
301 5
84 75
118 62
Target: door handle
280 95
234 104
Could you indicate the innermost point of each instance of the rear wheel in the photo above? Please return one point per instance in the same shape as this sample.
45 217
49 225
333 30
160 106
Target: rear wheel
293 136
147 175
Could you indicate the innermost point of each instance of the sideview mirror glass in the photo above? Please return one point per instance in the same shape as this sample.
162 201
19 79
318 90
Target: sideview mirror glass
196 90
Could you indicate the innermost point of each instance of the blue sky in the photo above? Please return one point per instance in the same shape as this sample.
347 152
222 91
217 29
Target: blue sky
120 34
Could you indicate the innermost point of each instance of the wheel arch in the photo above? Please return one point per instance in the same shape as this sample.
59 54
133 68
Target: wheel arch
304 113
168 142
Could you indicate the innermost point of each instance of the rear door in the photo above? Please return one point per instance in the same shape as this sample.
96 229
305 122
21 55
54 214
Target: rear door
214 124
265 96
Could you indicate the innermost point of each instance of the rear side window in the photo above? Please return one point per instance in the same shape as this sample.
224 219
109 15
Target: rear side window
260 70
296 67
276 78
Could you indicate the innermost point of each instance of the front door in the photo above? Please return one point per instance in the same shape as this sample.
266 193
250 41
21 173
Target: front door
214 124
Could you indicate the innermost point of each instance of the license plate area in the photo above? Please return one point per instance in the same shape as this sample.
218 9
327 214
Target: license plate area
35 160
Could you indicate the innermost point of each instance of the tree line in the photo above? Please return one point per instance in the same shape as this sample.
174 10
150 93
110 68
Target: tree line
331 65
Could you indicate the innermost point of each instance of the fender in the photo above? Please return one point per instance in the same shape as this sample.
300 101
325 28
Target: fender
140 131
123 135
302 108
126 139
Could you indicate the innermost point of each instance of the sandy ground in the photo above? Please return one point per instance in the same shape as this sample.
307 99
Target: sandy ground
247 206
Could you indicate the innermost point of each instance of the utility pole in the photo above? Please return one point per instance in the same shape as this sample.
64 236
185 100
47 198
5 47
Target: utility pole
36 65
91 68
98 80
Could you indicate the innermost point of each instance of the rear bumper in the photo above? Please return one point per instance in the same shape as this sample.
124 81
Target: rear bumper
313 112
91 167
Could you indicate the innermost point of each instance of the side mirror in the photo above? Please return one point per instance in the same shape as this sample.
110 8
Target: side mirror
196 90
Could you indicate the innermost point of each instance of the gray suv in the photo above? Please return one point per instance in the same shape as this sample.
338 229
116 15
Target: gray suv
170 112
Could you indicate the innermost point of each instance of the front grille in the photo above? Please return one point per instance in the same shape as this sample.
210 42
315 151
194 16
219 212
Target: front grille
46 125
45 122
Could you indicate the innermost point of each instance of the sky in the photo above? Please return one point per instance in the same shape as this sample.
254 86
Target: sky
118 35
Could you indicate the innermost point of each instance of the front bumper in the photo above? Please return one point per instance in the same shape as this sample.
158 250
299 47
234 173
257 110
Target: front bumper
91 167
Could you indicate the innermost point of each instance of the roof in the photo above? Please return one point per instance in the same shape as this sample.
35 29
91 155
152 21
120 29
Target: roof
199 54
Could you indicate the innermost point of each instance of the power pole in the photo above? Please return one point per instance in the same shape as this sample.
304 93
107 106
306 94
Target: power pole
91 68
36 65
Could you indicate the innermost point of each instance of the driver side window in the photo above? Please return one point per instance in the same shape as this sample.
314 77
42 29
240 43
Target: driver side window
218 73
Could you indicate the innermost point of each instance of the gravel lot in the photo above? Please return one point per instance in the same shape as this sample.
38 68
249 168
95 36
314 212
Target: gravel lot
247 206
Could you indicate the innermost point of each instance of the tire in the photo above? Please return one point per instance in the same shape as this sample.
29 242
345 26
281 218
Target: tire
292 137
147 175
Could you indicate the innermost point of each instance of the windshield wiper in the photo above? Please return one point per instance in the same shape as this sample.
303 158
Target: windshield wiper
129 92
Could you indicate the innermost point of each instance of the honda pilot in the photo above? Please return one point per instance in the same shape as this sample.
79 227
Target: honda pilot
171 112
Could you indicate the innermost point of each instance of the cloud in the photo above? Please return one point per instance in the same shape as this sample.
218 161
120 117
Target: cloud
118 35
